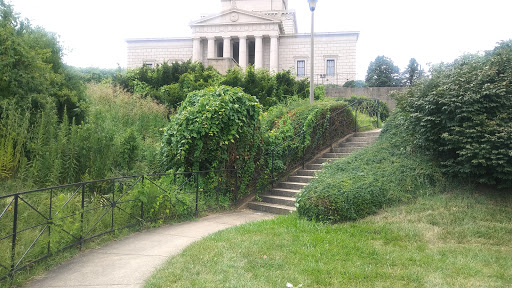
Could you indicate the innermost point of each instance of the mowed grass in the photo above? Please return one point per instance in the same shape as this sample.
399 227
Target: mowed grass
458 239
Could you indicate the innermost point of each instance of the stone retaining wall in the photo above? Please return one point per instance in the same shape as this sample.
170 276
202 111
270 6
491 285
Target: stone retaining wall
381 93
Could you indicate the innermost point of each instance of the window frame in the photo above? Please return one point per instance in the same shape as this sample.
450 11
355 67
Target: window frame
303 68
333 61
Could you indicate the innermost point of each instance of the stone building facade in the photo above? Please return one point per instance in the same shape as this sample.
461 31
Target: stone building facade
262 33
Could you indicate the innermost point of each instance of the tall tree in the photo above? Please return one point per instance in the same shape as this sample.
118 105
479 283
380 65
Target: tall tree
382 72
413 72
31 67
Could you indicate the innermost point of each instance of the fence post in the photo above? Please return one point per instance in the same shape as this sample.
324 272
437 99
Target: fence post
14 232
197 193
50 222
272 170
355 121
303 149
236 184
378 102
142 203
82 217
113 204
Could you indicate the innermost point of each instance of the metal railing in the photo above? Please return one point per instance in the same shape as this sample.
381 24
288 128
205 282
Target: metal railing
36 224
296 151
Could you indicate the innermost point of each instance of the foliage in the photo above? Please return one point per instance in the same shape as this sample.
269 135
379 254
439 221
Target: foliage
208 133
167 83
96 75
412 73
212 130
32 68
367 105
120 136
297 130
382 72
462 115
365 182
269 89
355 84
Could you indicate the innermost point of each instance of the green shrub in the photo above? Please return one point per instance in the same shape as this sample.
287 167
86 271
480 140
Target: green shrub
214 126
462 114
367 181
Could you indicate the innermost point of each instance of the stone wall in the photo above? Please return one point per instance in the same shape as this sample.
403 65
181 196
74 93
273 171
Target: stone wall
381 93
157 51
340 47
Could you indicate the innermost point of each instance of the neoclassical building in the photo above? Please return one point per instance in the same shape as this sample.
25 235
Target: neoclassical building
262 33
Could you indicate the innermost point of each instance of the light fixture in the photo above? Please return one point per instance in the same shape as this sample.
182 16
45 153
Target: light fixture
312 5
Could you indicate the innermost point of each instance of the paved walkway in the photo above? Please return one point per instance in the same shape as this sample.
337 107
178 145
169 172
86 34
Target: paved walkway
131 260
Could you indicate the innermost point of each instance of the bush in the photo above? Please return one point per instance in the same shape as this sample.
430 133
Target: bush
212 130
368 180
462 114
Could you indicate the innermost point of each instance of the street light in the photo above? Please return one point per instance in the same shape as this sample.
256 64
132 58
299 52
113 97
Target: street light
312 6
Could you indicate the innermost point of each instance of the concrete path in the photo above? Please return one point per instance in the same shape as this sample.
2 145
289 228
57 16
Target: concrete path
131 260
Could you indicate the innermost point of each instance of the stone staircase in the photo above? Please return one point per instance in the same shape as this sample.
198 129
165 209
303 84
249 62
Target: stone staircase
281 199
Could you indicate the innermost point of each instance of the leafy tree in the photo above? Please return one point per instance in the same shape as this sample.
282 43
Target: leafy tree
382 72
32 69
413 72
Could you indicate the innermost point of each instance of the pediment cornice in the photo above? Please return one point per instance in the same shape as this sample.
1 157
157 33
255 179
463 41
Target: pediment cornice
235 16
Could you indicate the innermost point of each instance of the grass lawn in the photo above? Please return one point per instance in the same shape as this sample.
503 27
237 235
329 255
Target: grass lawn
459 239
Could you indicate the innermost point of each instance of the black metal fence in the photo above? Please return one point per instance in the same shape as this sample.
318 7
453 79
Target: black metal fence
37 224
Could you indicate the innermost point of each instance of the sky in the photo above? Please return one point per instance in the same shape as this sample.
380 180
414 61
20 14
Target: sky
93 32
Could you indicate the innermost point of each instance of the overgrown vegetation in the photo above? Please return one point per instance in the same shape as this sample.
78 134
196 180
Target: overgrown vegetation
373 178
33 75
120 135
462 115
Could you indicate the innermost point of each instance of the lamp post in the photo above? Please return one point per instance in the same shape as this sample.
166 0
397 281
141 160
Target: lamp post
312 6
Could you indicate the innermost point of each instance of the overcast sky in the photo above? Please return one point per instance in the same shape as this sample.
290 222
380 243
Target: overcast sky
93 31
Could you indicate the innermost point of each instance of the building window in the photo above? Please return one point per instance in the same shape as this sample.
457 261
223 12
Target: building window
301 68
331 68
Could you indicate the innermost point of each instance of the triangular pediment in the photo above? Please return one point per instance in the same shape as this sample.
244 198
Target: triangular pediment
235 16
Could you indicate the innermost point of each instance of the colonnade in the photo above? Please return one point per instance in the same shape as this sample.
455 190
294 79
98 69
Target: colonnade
243 51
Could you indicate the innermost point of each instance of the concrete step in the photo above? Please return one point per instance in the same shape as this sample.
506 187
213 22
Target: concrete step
335 155
290 185
300 179
353 144
345 150
312 166
284 192
361 139
305 172
270 208
323 160
281 200
374 133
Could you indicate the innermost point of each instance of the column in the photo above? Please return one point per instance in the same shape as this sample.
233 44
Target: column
258 61
196 49
274 54
227 47
242 55
211 47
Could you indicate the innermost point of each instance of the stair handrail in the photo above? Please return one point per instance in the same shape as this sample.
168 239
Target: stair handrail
355 104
